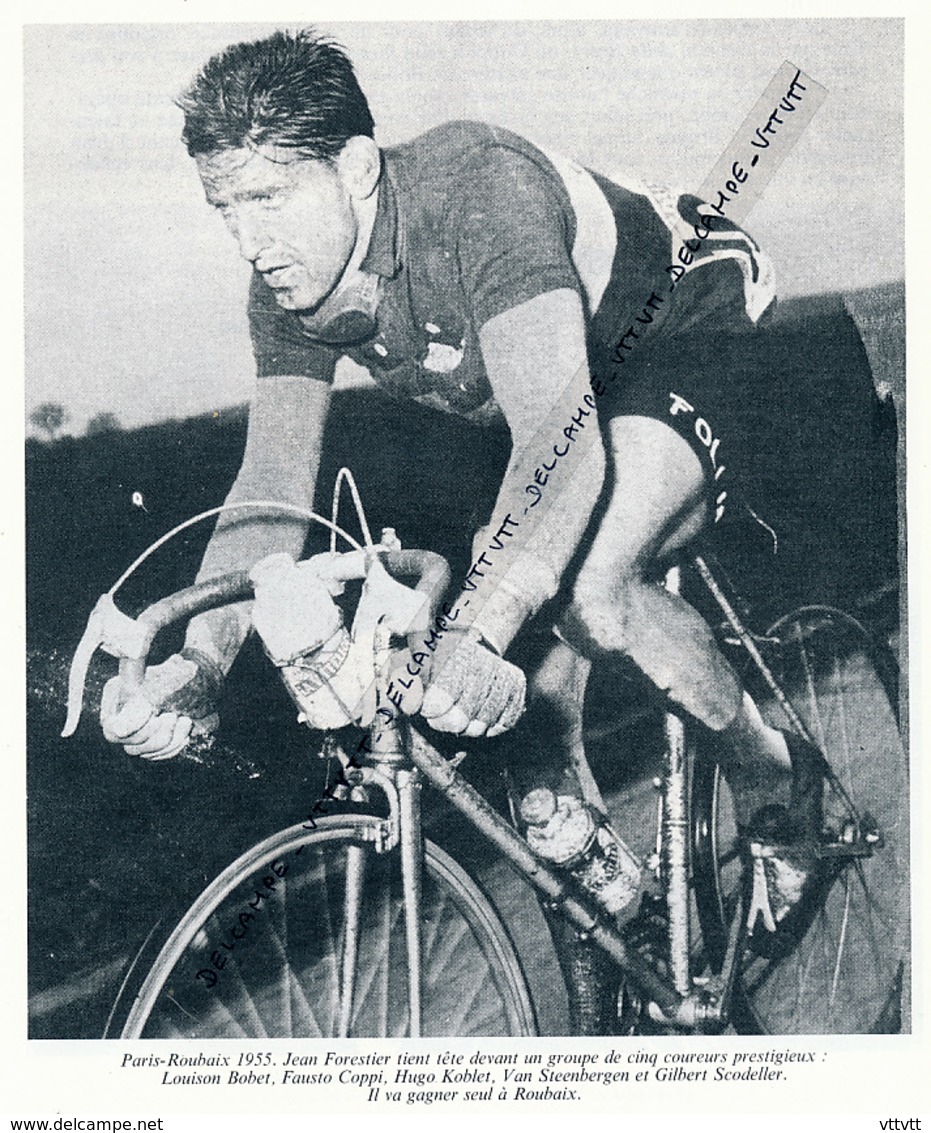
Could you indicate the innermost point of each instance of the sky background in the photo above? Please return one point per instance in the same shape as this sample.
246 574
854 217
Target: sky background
135 294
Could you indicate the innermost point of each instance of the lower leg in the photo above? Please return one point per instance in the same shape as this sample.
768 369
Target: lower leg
755 760
545 748
656 507
591 977
674 647
549 752
557 686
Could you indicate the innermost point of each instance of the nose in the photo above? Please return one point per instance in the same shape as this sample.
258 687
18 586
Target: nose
252 240
249 233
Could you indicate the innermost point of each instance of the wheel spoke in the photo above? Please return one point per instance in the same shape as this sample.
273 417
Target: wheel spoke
843 939
383 932
306 1018
450 940
840 976
329 935
349 952
285 981
281 943
222 1020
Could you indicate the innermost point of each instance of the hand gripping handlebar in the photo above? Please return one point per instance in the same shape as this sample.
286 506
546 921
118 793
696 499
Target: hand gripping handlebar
130 639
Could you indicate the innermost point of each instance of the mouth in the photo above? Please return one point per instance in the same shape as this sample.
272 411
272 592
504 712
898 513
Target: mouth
277 277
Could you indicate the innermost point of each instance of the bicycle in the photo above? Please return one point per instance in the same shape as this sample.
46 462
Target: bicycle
352 924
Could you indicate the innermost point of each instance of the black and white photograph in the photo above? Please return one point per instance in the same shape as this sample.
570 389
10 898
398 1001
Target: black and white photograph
466 560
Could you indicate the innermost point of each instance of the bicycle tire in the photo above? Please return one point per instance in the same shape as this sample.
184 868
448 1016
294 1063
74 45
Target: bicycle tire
280 976
846 974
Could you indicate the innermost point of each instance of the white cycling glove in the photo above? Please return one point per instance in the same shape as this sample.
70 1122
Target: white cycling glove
472 691
156 720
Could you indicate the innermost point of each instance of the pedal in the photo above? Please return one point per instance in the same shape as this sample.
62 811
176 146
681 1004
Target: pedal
856 840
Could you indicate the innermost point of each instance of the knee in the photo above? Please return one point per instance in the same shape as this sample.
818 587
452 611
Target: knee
561 672
600 616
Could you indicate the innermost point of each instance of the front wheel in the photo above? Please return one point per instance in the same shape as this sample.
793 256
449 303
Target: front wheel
846 975
263 951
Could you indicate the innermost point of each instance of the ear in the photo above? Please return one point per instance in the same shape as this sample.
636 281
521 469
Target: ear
359 166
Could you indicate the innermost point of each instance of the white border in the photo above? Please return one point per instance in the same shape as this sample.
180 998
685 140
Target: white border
864 1078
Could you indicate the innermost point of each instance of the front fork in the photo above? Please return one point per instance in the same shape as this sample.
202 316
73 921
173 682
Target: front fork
408 782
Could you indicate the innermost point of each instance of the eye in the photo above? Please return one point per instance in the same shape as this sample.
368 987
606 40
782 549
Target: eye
270 200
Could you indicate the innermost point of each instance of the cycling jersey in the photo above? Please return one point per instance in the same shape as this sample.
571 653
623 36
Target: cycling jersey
472 221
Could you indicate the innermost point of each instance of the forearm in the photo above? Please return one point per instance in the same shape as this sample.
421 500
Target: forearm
241 539
535 564
280 465
535 355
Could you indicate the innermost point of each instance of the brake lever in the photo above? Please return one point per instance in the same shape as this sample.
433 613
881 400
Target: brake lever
111 630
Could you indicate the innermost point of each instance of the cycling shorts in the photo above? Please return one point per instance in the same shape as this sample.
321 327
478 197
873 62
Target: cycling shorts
773 412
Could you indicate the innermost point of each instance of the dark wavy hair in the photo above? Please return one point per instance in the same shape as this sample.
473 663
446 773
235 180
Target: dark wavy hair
294 90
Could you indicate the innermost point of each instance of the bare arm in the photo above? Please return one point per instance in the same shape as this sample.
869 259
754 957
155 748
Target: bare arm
280 462
536 359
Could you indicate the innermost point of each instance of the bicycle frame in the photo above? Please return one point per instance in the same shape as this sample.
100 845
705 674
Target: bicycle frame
400 758
675 1001
678 1000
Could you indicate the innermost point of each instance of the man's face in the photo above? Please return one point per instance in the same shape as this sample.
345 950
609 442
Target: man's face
293 220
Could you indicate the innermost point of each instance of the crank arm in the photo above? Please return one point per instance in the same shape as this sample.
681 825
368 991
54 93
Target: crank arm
706 1009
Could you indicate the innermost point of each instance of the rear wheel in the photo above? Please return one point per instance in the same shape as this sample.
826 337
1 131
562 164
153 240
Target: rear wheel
846 974
324 952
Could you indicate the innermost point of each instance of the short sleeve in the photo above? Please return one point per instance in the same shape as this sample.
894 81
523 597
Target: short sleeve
280 346
514 229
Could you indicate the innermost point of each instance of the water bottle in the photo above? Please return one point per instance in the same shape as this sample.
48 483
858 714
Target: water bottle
565 831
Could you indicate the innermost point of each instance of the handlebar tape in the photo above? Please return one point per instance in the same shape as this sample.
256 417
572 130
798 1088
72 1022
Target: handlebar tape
220 591
430 569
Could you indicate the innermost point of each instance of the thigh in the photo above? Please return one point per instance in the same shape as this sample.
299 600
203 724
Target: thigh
657 498
657 505
713 390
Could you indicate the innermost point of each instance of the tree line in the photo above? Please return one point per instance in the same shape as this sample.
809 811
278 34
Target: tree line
50 417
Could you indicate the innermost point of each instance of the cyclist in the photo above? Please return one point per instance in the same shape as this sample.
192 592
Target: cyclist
472 272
